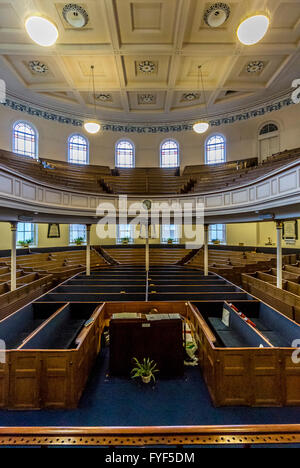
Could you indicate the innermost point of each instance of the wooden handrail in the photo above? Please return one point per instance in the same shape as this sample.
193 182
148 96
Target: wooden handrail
151 435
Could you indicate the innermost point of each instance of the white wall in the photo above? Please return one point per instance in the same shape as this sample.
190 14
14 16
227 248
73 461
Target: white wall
241 138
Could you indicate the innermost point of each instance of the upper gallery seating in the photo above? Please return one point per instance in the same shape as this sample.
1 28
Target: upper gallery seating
231 264
194 179
264 286
67 175
147 180
217 176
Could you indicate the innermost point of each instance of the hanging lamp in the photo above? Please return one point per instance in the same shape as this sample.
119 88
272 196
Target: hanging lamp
202 125
93 126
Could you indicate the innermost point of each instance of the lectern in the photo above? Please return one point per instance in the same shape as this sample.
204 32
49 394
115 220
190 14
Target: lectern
160 339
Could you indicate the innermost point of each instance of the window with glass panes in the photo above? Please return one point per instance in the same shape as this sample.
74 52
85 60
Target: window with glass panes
26 232
24 139
78 150
169 154
77 230
217 232
170 231
124 231
215 150
124 154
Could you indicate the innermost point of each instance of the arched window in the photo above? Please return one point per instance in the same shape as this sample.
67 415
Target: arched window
268 140
268 128
124 154
25 139
215 150
169 154
78 149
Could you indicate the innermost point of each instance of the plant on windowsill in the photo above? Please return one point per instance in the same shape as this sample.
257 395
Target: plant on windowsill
79 240
125 240
26 243
170 240
215 241
144 369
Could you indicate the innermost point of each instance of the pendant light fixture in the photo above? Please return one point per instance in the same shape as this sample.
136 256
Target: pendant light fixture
41 30
202 125
93 126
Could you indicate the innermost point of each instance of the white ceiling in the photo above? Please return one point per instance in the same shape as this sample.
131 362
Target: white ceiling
173 39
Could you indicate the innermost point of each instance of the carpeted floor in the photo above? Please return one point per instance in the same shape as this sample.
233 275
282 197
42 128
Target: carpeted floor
124 402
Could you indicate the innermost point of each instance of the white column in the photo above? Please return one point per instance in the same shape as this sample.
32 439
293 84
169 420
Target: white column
279 253
88 250
147 260
206 249
13 267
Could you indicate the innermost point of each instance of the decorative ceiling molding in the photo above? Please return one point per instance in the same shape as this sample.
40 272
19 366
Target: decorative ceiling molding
216 15
38 67
146 98
104 97
188 97
146 66
255 67
75 15
152 128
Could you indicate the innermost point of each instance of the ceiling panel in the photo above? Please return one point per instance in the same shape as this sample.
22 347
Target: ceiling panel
146 56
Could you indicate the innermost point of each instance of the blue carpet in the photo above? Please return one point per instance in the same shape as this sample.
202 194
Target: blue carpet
123 402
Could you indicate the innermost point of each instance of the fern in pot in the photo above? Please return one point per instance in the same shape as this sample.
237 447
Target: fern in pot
144 370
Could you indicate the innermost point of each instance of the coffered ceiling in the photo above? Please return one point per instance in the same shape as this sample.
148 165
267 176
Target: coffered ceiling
146 56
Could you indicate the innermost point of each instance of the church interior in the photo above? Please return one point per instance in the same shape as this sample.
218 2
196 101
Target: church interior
150 223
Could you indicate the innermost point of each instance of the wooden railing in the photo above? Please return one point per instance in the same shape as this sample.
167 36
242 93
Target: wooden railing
151 435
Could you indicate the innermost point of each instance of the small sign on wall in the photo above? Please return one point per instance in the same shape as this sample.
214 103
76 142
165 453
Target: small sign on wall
53 231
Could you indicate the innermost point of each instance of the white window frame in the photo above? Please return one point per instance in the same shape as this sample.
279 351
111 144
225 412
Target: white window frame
73 236
161 156
133 153
87 149
165 233
220 233
130 233
206 148
36 139
32 235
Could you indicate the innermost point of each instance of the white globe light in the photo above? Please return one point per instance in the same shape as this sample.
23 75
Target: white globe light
253 29
92 127
200 127
41 30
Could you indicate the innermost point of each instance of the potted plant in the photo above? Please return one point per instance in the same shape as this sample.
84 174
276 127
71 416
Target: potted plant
145 370
25 243
215 241
170 240
125 240
79 240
